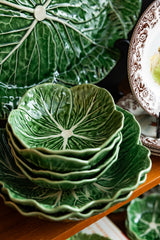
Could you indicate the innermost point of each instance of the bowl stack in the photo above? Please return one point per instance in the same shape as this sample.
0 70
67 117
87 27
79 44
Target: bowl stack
66 138
73 153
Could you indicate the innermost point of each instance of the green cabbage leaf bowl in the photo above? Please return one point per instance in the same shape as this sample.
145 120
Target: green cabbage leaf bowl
59 163
49 181
143 218
78 174
125 175
79 121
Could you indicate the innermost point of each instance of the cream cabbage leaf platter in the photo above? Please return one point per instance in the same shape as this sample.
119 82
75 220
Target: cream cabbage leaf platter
67 41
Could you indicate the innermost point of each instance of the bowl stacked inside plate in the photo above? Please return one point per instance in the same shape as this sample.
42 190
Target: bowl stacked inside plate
73 153
64 139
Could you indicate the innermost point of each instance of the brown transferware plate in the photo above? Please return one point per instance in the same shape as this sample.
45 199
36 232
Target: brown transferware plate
144 60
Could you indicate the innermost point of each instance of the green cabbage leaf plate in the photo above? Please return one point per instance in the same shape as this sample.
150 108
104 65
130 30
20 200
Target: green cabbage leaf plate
121 178
71 42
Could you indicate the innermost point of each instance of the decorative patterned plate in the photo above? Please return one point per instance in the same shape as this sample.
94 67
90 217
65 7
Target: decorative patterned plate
147 122
121 178
144 60
143 218
47 40
153 152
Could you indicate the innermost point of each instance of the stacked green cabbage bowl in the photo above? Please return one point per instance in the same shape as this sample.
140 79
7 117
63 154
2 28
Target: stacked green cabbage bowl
70 153
62 138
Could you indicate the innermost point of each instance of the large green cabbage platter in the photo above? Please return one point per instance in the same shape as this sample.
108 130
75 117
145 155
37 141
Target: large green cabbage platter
143 218
125 175
59 163
31 211
31 200
67 41
66 120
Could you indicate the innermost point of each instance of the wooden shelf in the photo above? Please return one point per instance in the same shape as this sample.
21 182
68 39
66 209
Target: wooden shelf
14 226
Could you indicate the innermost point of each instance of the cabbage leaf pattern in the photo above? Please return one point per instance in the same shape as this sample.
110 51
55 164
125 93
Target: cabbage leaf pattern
71 42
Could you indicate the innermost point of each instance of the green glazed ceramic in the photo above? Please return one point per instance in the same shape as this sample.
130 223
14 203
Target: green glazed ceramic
71 176
72 43
84 236
122 177
59 163
67 184
131 130
117 174
54 117
143 218
62 214
84 155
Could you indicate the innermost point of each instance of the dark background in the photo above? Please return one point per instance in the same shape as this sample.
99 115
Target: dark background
119 72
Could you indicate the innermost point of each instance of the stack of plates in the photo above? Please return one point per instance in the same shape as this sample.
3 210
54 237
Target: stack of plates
143 218
69 154
148 123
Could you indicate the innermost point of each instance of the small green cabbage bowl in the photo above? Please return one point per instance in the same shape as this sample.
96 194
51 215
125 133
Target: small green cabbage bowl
59 163
62 180
48 180
143 218
76 122
30 169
